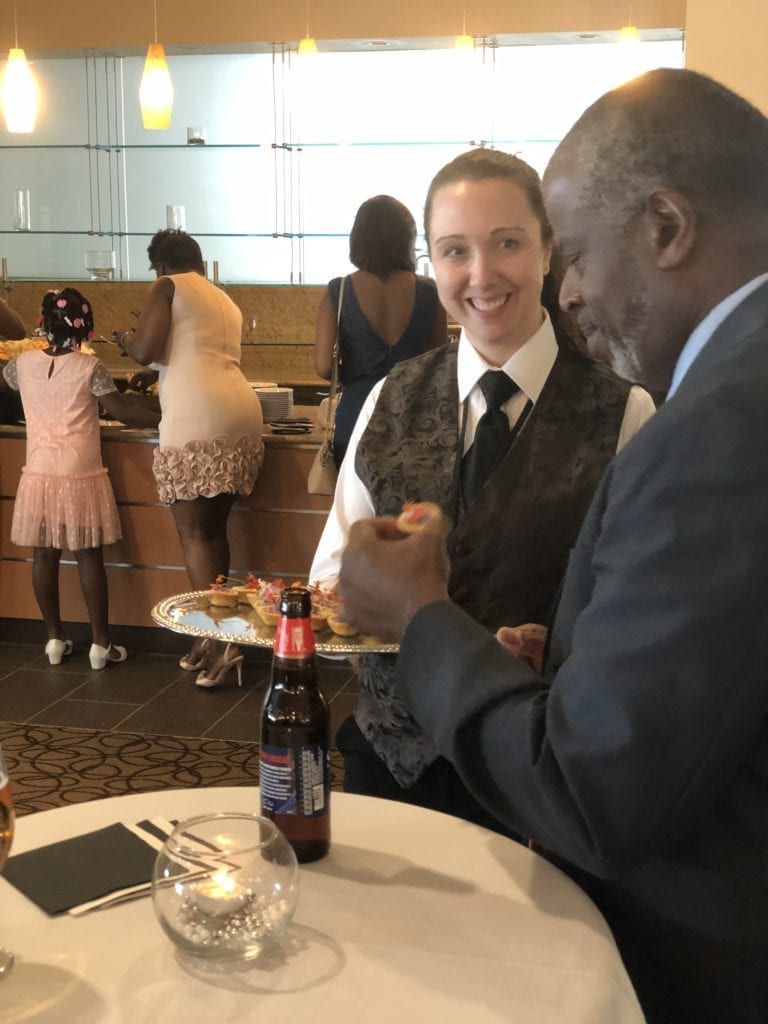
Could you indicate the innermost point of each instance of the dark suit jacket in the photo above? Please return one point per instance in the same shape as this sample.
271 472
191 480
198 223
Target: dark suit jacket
642 759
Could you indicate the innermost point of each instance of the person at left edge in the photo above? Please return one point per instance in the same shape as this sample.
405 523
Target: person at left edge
11 324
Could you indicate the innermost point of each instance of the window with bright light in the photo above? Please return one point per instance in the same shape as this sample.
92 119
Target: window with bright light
292 147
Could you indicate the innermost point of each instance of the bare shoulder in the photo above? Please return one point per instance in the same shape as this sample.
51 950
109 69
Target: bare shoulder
162 288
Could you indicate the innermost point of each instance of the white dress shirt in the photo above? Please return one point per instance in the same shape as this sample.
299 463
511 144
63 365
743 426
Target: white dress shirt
529 368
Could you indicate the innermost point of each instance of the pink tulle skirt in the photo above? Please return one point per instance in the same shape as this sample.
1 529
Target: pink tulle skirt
65 511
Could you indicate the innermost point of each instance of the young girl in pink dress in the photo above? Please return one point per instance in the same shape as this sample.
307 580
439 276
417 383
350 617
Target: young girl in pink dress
65 499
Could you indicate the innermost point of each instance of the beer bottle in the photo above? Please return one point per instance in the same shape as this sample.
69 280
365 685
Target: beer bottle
294 768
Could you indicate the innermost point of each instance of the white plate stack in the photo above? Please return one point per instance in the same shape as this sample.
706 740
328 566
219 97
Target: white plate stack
276 403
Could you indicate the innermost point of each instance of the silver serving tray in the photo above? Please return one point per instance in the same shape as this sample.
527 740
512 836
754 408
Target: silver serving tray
193 615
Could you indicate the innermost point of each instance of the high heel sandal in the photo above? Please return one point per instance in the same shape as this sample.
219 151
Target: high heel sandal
99 656
57 649
221 668
194 660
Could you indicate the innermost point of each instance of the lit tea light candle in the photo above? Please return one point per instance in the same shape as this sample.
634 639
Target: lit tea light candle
219 894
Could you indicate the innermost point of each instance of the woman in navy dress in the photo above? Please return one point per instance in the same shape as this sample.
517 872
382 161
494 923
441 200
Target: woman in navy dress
388 312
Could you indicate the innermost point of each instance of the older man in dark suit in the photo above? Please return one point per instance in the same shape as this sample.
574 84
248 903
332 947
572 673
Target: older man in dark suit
639 758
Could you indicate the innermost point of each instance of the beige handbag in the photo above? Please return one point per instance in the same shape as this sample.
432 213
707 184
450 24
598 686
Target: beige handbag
322 473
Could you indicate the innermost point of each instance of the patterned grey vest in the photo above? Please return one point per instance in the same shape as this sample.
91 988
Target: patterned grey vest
509 549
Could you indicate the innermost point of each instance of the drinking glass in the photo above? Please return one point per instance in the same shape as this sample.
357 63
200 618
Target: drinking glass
100 264
176 217
21 217
6 838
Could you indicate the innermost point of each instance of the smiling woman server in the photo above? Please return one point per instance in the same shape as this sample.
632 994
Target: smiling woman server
508 432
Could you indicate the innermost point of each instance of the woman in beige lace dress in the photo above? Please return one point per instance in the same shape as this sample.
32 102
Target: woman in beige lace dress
210 446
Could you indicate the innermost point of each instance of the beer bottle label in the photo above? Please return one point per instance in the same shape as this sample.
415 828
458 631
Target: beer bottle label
294 638
294 780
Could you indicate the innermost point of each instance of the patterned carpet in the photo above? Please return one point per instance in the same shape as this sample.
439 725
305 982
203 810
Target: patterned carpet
51 766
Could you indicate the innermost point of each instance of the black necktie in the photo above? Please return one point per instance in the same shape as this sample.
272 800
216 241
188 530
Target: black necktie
492 435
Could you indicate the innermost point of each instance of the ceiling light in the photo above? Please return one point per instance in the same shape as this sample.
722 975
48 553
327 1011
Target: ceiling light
156 89
19 89
307 46
463 41
629 35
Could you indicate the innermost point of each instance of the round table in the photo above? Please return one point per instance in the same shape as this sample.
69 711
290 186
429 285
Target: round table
413 916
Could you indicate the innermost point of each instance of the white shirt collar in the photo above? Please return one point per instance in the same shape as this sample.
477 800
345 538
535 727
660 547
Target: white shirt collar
529 367
704 330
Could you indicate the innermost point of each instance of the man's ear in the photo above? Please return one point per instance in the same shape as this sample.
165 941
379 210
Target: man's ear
672 223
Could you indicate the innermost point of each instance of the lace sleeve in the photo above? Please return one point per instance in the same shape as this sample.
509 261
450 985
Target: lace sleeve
11 375
101 380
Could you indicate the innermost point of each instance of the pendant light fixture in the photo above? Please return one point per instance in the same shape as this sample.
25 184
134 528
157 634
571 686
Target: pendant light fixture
19 88
629 35
156 89
307 46
464 42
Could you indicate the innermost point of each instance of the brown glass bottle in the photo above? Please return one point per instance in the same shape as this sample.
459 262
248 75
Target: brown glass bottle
295 775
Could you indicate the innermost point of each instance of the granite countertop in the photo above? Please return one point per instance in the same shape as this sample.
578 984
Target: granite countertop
114 431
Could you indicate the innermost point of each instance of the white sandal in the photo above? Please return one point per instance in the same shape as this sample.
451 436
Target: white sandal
57 649
99 656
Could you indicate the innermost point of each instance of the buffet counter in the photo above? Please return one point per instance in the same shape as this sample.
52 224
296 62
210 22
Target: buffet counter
273 532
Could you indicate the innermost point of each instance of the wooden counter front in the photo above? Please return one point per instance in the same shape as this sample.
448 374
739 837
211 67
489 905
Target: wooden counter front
273 532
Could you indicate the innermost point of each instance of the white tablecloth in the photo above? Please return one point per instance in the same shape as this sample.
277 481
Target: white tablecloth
413 917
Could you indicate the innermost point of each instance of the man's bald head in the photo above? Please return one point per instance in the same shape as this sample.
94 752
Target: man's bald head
658 198
674 129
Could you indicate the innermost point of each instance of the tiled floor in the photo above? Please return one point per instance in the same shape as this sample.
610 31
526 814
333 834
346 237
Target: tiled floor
147 694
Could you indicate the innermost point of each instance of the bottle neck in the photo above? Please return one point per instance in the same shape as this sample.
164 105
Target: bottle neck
294 640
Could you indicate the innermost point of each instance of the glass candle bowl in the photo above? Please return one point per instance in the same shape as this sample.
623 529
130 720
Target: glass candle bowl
225 886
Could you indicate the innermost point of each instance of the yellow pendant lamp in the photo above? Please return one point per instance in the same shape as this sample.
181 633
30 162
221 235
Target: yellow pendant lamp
156 89
464 42
307 46
629 35
19 89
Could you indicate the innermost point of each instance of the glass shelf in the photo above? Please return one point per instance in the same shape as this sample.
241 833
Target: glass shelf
197 234
297 146
222 283
117 146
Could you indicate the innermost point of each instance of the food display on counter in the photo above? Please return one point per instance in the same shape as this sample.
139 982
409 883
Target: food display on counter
9 349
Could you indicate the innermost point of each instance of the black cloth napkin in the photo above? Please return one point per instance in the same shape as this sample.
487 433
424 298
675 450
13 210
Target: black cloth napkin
74 871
